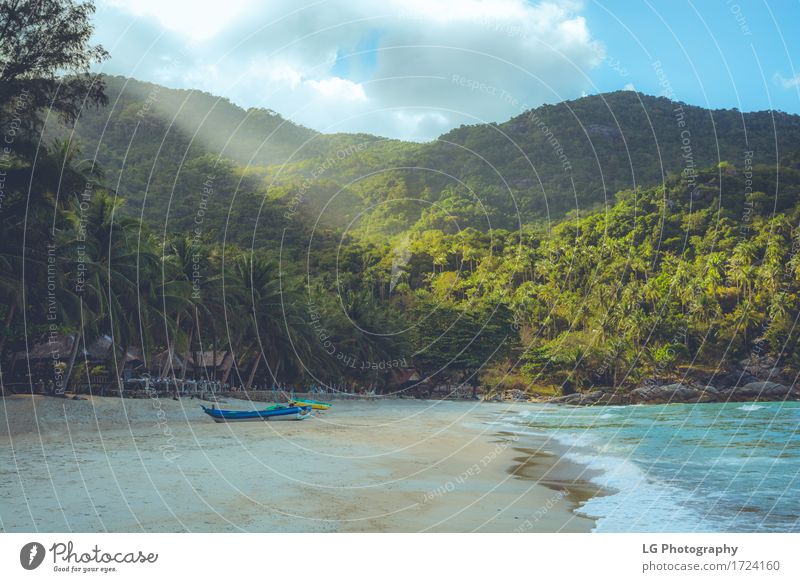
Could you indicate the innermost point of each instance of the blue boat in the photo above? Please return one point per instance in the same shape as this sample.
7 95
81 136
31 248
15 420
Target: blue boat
271 413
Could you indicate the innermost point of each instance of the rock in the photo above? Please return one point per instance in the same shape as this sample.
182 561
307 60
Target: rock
612 397
672 393
759 391
756 361
708 394
595 398
591 397
649 392
515 395
734 378
568 399
760 367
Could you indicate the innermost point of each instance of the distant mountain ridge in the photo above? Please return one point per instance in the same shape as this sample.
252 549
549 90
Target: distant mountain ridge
615 141
538 165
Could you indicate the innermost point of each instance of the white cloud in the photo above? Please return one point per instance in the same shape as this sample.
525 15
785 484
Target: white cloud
386 68
789 83
629 87
335 87
195 19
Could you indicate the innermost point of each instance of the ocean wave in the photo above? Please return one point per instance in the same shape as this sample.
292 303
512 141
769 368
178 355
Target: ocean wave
637 502
633 500
684 471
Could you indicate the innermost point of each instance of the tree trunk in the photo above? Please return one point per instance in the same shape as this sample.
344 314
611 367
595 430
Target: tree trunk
214 353
240 365
111 365
235 367
170 346
11 312
253 372
167 361
72 356
226 374
277 368
188 351
199 342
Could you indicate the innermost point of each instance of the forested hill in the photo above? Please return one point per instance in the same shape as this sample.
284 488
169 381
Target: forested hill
610 142
668 282
346 256
538 165
210 124
158 145
542 164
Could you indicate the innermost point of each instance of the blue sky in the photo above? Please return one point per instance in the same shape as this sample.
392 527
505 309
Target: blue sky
413 69
717 54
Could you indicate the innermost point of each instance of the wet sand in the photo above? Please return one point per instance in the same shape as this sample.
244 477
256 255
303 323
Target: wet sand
106 464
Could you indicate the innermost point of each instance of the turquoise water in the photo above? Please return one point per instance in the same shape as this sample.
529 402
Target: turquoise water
682 467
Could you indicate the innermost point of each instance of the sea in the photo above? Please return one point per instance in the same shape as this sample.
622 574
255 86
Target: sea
731 467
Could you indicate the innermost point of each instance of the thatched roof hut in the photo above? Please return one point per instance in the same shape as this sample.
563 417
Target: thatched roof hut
405 376
59 346
99 350
222 362
167 359
133 357
53 347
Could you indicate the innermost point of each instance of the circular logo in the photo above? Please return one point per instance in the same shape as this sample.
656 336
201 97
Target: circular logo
31 555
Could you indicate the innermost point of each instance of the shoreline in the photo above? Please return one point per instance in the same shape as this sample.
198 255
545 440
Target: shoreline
683 393
112 464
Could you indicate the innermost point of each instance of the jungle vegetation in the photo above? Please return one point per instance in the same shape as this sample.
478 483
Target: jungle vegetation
576 245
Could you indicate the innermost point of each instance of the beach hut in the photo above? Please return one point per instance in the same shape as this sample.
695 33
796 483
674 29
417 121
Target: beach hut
405 380
98 351
57 346
132 363
208 364
166 363
42 365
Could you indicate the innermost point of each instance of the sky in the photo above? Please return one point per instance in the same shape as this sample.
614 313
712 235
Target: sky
414 69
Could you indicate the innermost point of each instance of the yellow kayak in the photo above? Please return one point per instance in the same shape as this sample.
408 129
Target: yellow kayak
312 403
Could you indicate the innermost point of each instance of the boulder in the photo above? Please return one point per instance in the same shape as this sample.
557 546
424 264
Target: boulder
515 395
765 368
708 394
613 398
761 390
734 378
595 398
671 393
650 393
568 399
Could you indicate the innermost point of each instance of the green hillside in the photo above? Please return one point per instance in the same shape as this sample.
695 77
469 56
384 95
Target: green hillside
158 143
158 146
574 246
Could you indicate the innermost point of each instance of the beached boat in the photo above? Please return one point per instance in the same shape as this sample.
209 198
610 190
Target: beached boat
271 413
314 404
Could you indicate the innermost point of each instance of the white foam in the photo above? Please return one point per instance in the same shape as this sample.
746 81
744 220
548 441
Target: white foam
749 407
637 502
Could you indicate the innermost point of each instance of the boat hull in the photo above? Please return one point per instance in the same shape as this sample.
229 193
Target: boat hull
312 403
272 413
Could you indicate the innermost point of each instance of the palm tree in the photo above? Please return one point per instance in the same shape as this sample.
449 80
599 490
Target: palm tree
181 299
99 242
277 324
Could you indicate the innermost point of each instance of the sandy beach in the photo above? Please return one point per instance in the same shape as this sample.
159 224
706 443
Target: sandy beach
107 464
